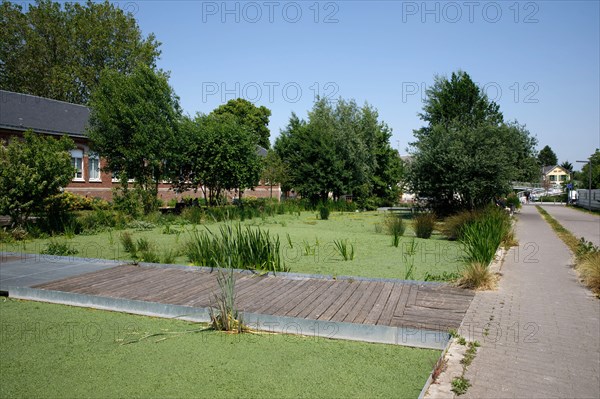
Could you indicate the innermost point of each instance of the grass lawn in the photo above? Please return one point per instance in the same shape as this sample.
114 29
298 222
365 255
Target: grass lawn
312 251
59 351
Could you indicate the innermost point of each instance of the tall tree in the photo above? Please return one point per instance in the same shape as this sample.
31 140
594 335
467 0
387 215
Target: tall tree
584 175
219 154
274 170
568 166
466 154
59 51
31 171
133 124
547 157
255 118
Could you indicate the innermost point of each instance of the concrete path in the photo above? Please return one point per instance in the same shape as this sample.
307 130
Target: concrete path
579 223
540 331
25 270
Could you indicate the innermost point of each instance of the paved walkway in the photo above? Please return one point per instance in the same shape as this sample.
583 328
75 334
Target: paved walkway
579 223
540 330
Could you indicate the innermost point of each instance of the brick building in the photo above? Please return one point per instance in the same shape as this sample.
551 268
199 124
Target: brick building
22 112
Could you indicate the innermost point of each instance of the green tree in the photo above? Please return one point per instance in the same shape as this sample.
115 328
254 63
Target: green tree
219 154
274 170
133 124
255 118
547 157
466 155
342 149
31 171
568 166
584 176
59 51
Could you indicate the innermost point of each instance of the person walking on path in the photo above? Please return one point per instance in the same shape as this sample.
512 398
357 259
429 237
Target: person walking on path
540 330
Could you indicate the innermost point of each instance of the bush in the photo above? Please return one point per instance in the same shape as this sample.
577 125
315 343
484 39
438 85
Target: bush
513 202
59 249
482 237
453 225
476 275
424 224
589 269
324 212
237 247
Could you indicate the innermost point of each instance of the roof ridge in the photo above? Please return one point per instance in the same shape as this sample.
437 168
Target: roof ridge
43 98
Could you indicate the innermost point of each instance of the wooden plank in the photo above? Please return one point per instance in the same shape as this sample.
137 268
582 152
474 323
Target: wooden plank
316 298
274 307
311 286
279 288
369 304
352 301
379 304
371 286
326 299
388 311
424 323
339 301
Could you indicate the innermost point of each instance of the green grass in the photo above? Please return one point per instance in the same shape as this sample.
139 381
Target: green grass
59 351
375 256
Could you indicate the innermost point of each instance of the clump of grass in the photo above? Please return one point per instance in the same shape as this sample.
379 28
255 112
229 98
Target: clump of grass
243 248
409 259
59 248
460 385
453 225
482 237
424 224
140 250
395 227
226 316
127 242
346 251
589 270
169 256
476 275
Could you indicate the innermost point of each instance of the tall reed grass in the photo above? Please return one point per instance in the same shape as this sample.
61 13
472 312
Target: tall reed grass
242 248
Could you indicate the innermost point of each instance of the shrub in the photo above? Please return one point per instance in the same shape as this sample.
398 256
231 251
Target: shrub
482 237
395 227
589 269
193 214
242 248
59 248
476 275
424 224
453 225
513 202
324 212
346 251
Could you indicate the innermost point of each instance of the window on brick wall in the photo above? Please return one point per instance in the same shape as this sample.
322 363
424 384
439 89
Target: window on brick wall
93 166
77 163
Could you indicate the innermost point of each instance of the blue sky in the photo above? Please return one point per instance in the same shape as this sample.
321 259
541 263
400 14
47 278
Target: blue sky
538 59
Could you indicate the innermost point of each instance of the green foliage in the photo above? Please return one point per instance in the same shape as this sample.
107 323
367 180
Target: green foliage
345 250
127 242
408 256
512 201
133 125
215 153
226 316
237 247
482 237
424 224
32 171
59 248
466 154
460 385
547 157
274 171
444 276
256 119
584 176
324 212
342 149
394 226
72 43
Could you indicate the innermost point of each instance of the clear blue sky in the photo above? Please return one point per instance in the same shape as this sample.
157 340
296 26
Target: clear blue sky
538 59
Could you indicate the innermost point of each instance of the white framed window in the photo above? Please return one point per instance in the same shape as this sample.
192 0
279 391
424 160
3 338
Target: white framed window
93 166
77 163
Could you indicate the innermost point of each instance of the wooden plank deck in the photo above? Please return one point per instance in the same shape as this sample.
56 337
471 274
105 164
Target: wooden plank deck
360 301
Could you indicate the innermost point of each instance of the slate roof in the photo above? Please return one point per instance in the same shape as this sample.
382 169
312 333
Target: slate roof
548 169
43 115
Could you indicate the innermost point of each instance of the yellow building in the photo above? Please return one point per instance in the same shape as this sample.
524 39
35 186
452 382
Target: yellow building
555 175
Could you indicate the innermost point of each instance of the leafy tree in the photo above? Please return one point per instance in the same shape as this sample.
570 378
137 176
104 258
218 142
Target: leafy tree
568 166
547 157
343 150
31 171
274 170
255 118
133 124
584 176
219 154
59 51
466 155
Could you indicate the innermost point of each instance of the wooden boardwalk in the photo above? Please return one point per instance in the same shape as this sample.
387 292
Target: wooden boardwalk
360 301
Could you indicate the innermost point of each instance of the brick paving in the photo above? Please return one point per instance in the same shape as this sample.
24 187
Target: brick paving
540 330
